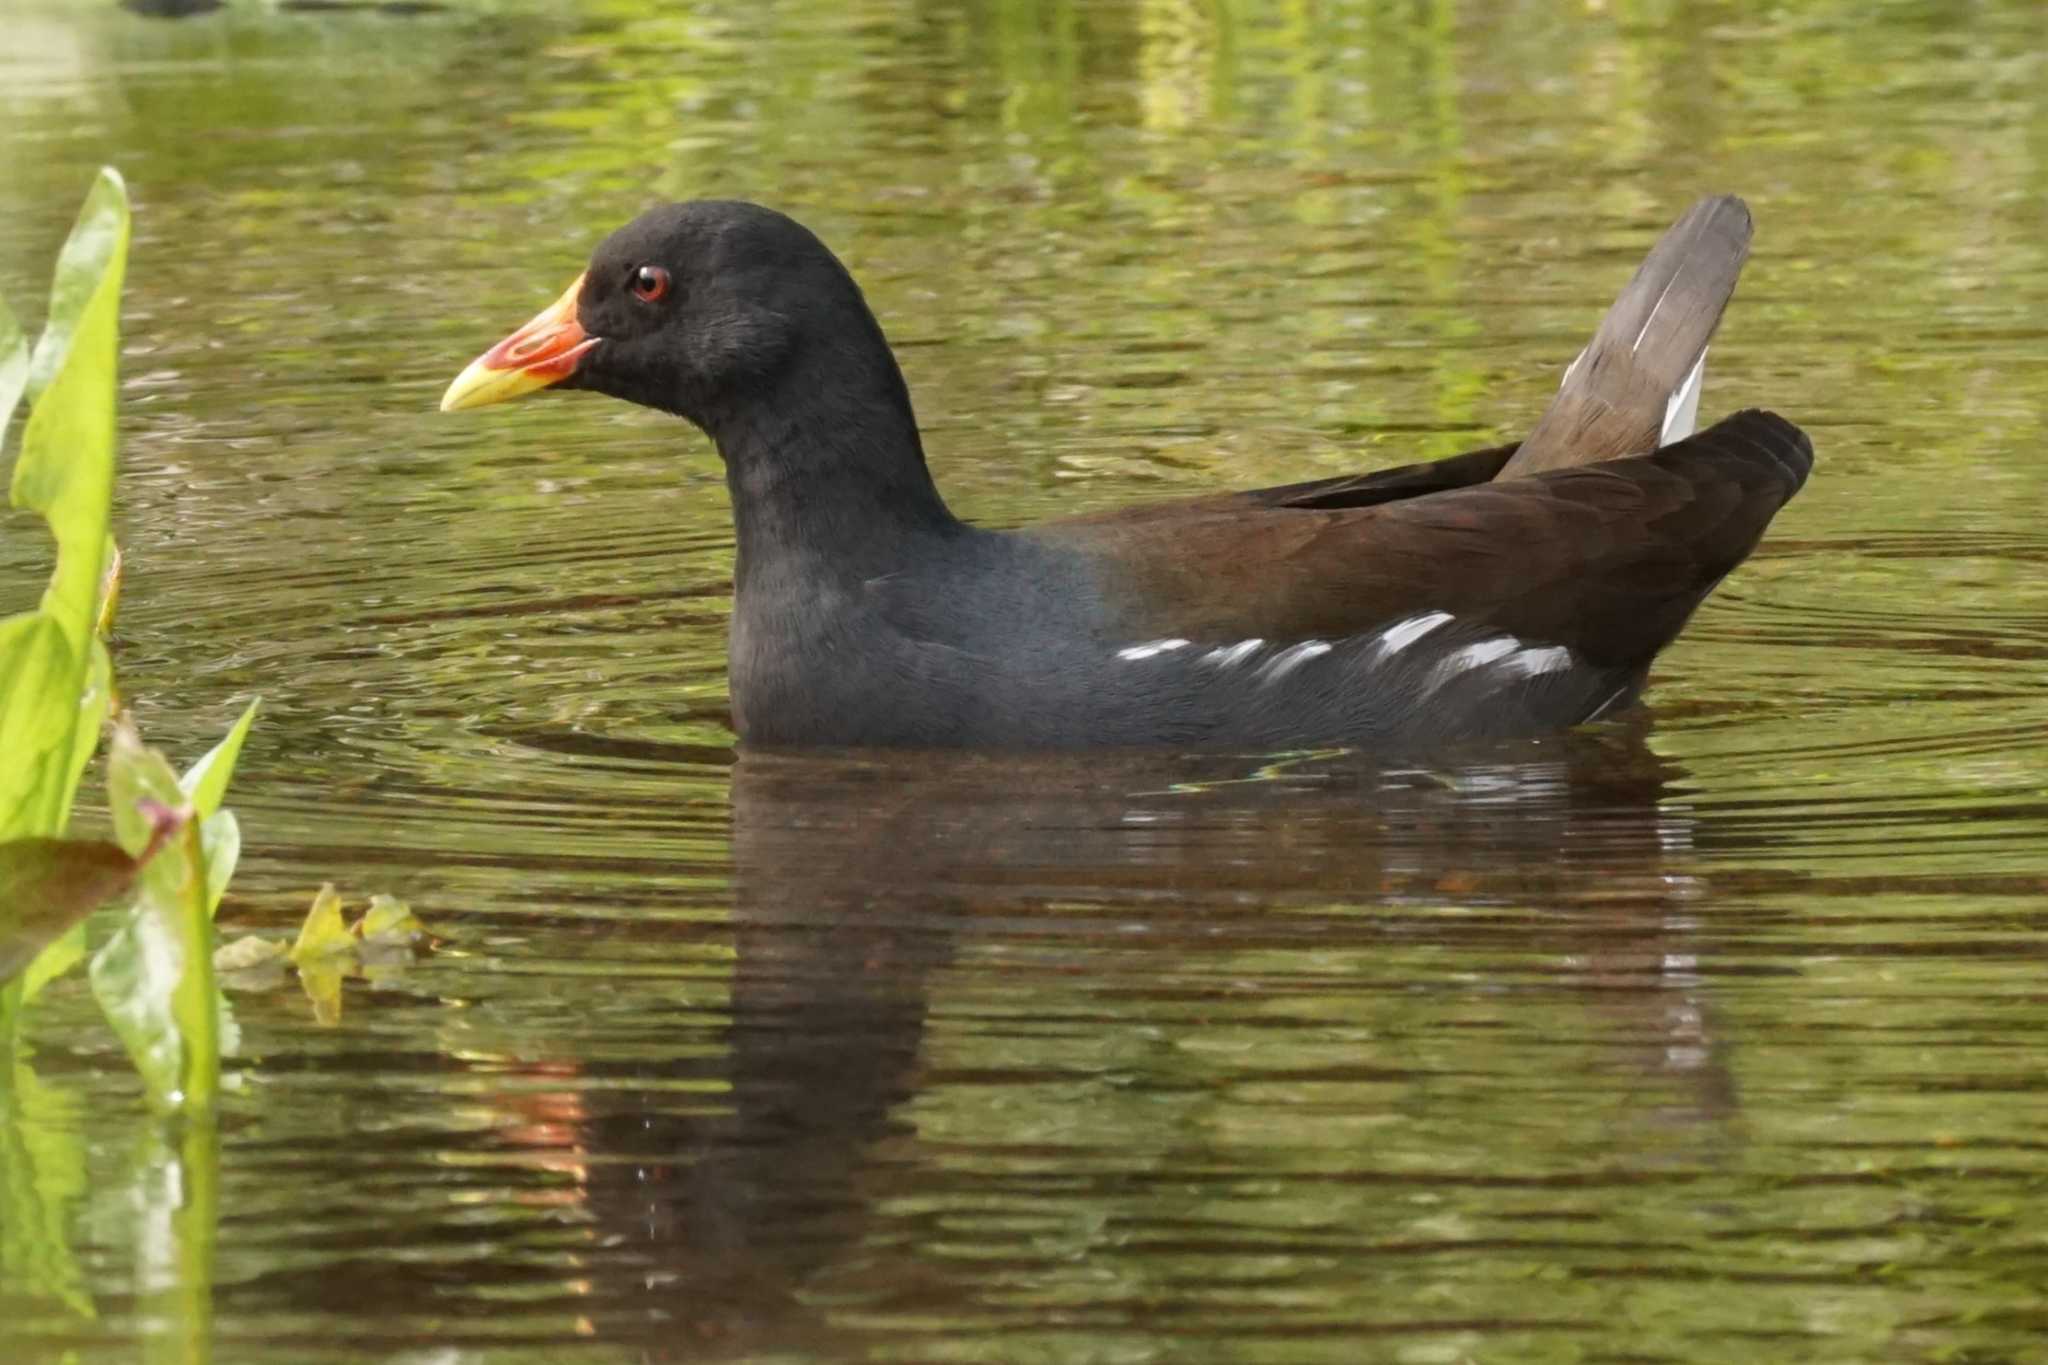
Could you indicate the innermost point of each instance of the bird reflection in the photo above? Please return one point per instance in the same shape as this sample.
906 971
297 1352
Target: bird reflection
863 880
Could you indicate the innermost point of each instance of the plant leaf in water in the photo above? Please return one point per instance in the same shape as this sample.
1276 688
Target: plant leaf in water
154 977
66 469
55 679
324 952
323 934
110 592
250 963
248 953
389 922
42 1180
38 701
175 1193
96 249
321 979
206 783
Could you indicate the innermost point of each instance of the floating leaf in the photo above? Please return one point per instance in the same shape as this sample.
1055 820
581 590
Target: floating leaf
323 934
321 980
248 953
389 922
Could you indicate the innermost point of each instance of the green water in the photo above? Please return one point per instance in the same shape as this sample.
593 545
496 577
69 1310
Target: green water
1715 1035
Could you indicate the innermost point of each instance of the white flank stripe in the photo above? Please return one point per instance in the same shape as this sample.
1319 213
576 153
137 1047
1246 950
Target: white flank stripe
1531 662
1223 656
1402 634
1287 659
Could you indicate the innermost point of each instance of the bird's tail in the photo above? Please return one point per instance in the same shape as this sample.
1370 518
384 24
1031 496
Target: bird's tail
1636 386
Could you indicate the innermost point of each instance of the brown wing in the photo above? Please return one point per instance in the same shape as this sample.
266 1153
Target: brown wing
1607 559
1344 491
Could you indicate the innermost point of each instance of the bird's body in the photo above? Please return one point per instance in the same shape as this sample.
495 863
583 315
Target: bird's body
1503 592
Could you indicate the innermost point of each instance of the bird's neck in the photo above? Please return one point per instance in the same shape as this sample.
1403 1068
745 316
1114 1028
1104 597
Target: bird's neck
826 472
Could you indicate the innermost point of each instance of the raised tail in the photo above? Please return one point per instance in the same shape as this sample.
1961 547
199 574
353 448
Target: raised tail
1636 386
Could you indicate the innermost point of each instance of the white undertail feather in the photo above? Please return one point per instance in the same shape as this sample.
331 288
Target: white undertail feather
1682 410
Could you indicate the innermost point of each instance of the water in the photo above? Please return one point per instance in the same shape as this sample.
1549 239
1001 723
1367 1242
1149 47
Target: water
1714 1034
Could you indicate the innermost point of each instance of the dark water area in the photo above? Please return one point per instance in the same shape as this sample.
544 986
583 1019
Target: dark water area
1713 1033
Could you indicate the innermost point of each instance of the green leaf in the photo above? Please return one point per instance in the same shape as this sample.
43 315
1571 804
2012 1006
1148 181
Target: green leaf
206 781
154 977
37 706
98 244
53 684
90 717
13 366
220 839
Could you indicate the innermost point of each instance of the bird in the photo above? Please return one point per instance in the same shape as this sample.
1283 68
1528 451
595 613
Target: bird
1504 592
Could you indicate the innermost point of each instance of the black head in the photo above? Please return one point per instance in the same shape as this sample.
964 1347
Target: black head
696 309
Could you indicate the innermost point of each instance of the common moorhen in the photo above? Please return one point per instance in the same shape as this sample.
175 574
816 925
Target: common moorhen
1503 591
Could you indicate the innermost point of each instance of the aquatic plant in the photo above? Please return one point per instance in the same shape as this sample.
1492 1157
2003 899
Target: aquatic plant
174 847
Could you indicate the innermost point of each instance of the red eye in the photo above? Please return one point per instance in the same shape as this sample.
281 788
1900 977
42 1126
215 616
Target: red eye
650 282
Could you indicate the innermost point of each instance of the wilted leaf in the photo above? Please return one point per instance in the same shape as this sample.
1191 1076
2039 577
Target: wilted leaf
47 885
389 922
323 935
250 950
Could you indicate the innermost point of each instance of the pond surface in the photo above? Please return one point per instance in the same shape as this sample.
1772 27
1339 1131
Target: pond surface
1711 1034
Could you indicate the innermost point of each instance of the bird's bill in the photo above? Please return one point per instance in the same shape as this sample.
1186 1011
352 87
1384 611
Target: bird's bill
545 351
